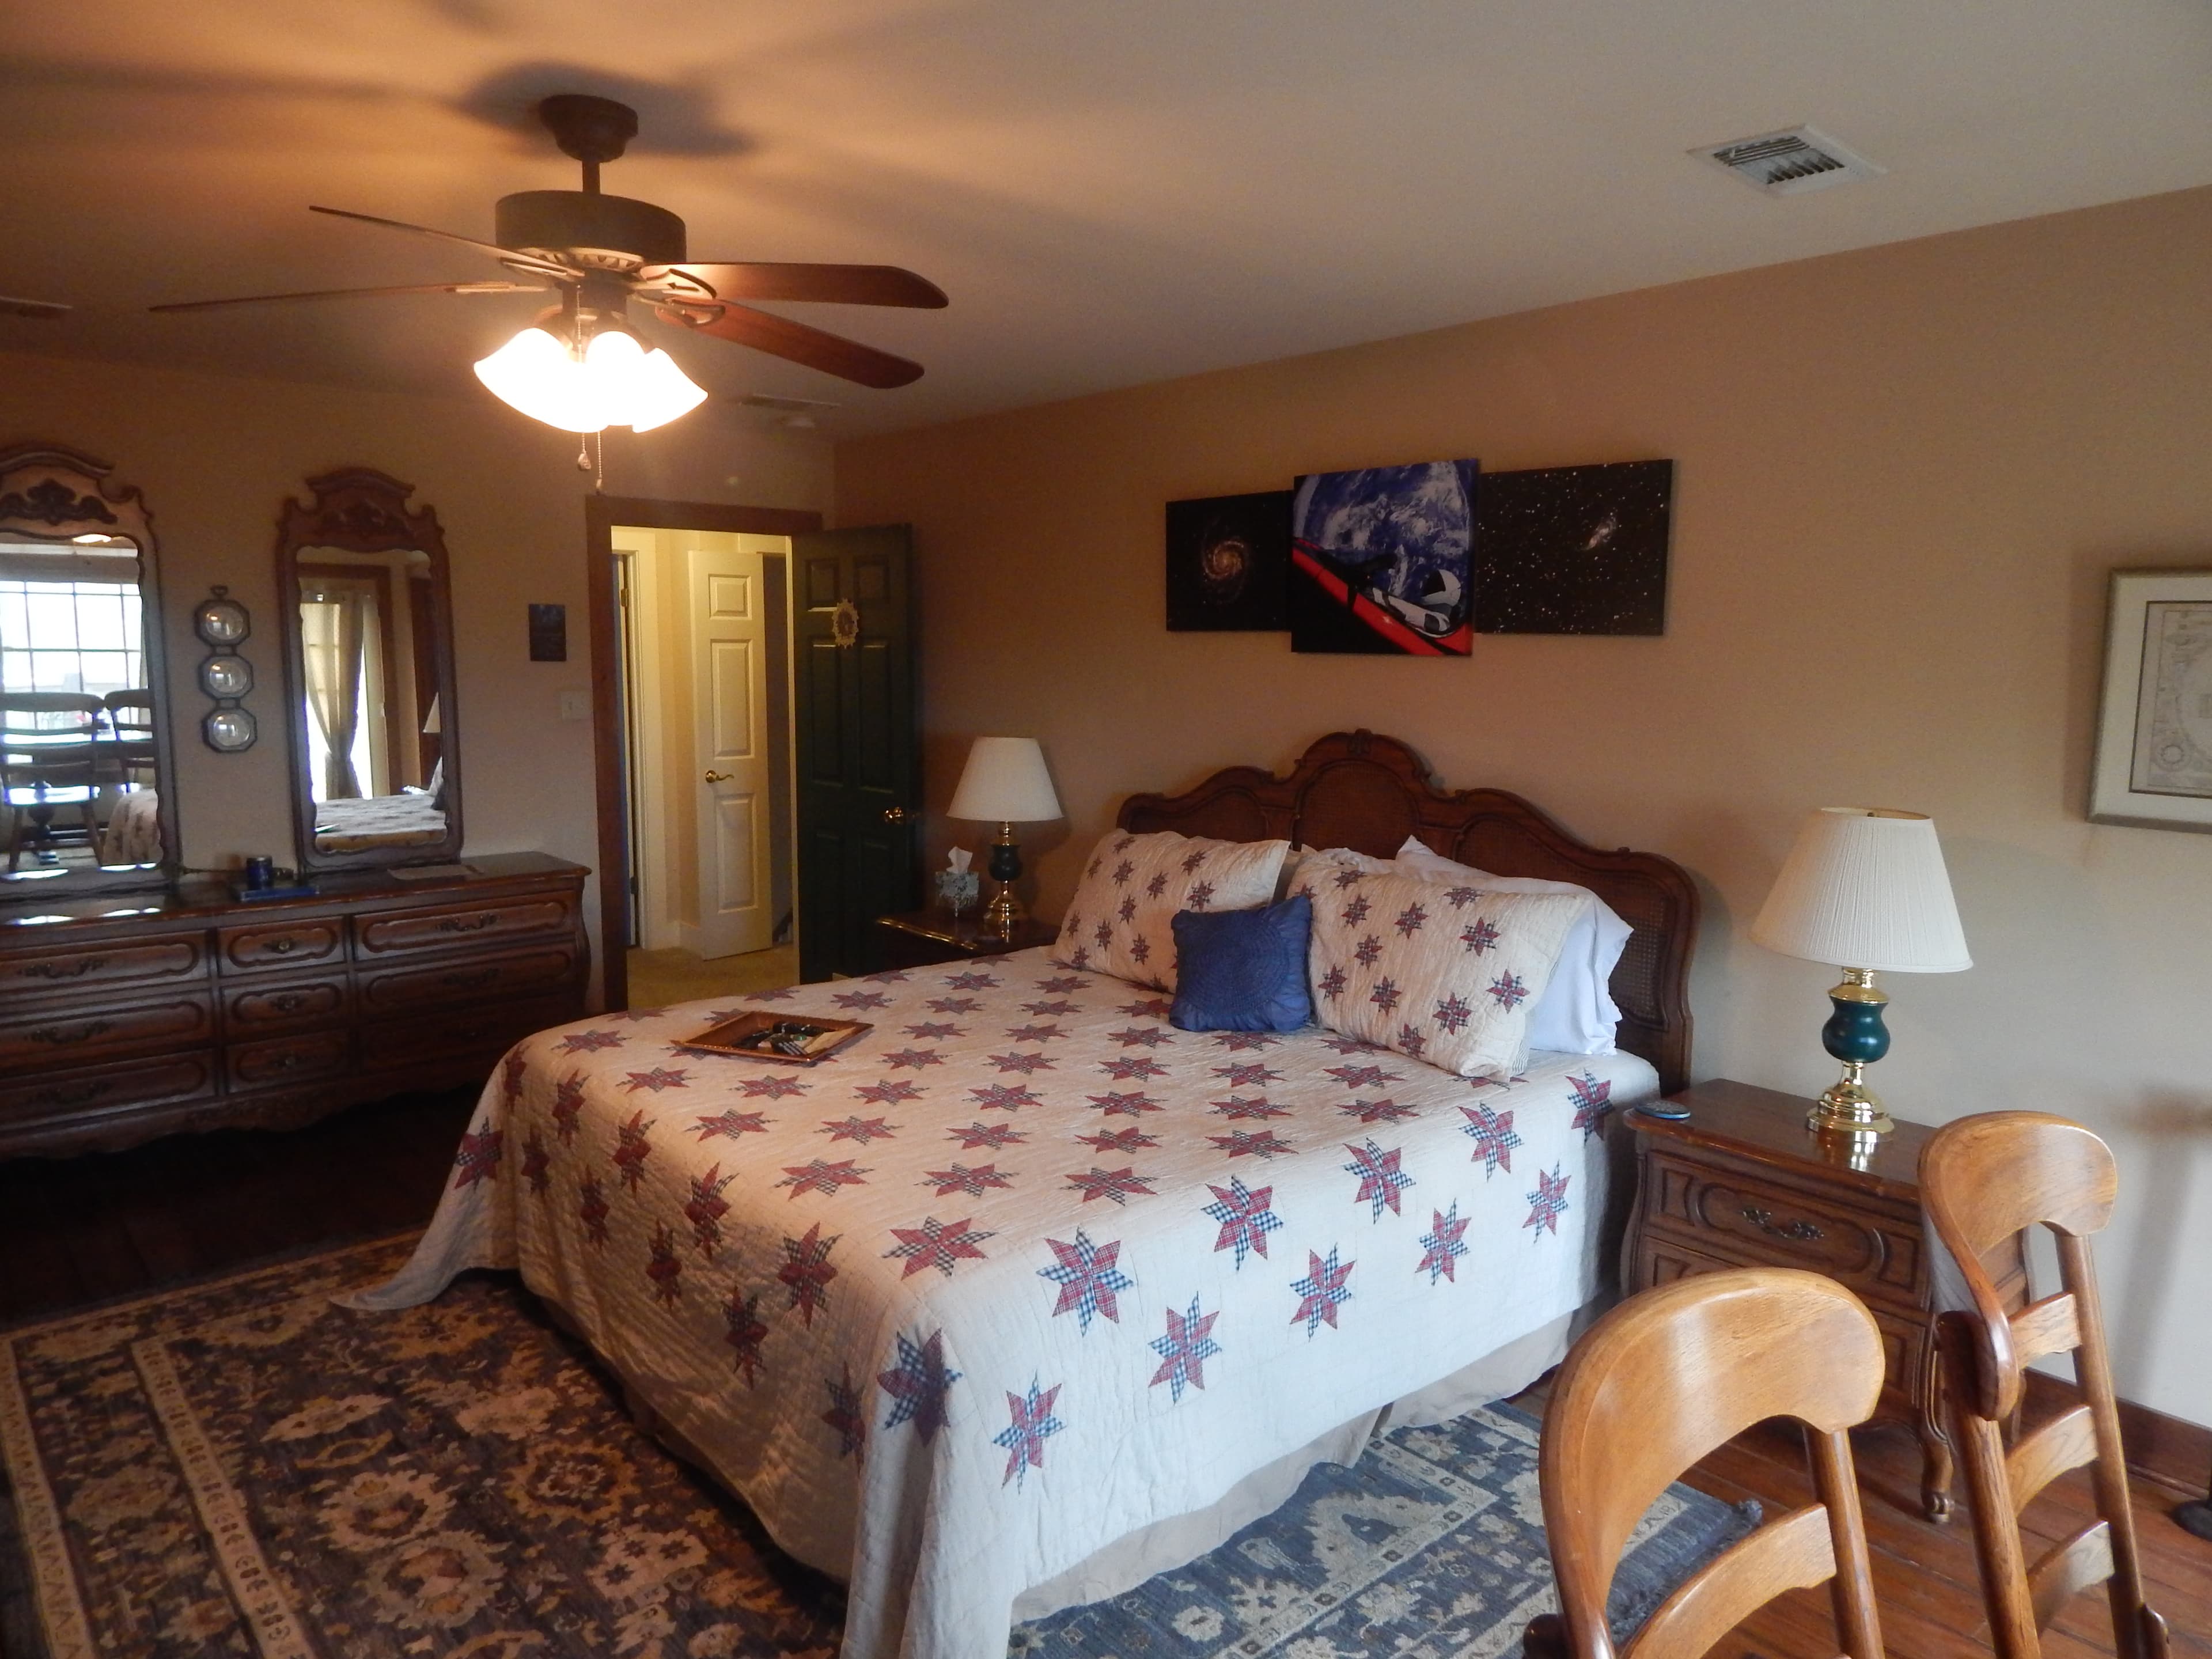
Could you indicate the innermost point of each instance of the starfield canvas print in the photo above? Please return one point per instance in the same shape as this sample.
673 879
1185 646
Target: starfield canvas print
1381 559
1226 559
1574 550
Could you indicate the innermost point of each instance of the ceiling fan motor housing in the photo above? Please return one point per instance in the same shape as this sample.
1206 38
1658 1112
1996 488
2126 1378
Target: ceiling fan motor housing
591 226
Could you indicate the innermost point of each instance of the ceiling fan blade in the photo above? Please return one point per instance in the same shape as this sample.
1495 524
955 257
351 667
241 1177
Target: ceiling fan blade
849 359
43 308
354 294
506 256
850 285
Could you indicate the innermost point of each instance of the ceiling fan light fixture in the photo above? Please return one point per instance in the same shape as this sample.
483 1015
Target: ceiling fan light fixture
613 381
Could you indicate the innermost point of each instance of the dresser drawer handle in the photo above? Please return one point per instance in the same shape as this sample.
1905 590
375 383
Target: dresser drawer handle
74 1094
61 1036
464 978
468 924
1802 1232
76 969
283 947
285 1001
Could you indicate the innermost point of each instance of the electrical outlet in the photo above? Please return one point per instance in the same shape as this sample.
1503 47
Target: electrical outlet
576 705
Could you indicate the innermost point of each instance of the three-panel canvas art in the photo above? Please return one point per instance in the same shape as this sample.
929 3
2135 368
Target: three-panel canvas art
1416 560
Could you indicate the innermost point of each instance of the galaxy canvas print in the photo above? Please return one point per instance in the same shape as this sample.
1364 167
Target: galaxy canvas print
1574 550
1381 559
1226 559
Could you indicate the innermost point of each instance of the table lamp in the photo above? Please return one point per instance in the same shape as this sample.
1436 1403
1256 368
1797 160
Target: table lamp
1863 886
1004 783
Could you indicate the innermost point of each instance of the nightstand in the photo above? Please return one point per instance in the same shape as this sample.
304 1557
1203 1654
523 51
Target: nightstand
919 938
1741 1183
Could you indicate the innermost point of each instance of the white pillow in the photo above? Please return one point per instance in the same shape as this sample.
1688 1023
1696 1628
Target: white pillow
1576 1014
1446 975
1120 920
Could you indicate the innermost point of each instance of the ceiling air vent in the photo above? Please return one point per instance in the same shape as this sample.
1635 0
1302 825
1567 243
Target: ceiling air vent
1785 163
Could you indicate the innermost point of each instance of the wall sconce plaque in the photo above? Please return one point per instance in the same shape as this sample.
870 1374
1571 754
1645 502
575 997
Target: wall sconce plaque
221 623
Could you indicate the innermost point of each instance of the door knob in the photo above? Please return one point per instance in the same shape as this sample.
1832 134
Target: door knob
895 815
713 776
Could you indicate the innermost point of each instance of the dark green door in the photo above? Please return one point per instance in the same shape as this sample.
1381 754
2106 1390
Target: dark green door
860 754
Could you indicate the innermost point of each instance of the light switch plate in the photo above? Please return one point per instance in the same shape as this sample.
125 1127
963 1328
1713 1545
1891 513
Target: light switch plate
576 705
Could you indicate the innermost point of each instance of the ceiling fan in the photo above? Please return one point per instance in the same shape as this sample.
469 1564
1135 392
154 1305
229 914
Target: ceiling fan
580 366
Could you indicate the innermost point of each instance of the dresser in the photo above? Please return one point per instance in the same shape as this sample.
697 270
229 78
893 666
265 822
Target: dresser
1741 1183
126 1017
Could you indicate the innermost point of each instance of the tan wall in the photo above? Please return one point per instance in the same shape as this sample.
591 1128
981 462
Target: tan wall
1903 475
216 456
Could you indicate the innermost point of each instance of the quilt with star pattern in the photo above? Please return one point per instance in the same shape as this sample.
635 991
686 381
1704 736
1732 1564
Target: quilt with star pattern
1023 1270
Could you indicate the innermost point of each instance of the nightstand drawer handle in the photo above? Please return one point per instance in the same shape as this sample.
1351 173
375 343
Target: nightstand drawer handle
1802 1232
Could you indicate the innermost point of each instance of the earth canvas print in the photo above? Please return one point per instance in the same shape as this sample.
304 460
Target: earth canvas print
1574 550
1226 555
1381 559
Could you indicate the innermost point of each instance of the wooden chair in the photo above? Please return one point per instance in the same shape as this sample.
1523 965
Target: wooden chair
47 747
1663 1379
1982 1180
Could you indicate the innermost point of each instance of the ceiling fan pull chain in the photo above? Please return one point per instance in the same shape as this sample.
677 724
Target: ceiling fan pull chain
583 451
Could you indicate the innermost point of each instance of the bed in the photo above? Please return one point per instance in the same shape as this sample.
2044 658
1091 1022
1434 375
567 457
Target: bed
1025 1295
410 818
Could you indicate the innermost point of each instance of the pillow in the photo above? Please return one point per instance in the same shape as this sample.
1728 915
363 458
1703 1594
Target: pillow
1243 970
1119 922
1576 1013
1446 975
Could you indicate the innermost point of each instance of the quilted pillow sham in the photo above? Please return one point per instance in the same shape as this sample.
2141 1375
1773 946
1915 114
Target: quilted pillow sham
1444 975
1121 920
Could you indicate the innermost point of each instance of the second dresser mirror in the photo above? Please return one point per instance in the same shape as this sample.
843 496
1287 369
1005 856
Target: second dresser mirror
368 620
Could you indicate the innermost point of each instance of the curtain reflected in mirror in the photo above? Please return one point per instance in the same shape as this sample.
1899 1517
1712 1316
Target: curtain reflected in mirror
369 694
79 766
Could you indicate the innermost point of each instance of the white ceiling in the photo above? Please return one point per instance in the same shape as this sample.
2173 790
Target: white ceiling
1111 191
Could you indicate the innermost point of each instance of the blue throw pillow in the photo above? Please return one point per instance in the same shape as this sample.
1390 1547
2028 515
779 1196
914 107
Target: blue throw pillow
1243 970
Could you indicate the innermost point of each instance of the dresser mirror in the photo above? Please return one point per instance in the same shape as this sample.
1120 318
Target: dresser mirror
368 659
85 760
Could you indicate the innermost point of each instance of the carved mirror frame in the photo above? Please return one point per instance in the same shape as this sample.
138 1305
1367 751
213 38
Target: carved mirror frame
52 494
361 510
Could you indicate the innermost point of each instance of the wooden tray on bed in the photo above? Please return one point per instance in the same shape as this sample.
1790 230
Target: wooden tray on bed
731 1037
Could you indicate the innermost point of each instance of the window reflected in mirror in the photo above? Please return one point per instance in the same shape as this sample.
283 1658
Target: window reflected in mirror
368 657
78 757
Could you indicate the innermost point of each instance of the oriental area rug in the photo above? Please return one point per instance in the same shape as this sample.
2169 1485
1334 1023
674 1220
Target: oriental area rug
241 1468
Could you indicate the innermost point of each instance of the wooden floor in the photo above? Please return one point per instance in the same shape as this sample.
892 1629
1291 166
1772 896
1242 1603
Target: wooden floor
90 1229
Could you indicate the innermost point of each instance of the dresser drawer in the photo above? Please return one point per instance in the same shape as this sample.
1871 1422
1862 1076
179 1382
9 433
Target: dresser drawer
286 1060
445 929
486 1031
250 1009
63 1034
1768 1224
146 962
281 944
89 1090
1660 1259
469 980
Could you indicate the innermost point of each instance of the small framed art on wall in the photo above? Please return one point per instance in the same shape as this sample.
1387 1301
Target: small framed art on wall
2153 766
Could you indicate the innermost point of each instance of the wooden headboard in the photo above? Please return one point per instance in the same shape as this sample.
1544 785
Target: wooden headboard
1368 793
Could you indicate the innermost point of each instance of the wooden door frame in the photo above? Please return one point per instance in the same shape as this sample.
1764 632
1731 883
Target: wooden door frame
601 514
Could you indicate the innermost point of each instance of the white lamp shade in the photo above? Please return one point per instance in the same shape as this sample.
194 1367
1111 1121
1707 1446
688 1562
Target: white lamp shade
1865 887
1004 782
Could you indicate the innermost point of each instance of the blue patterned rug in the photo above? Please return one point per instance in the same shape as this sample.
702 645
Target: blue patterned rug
1431 1545
239 1468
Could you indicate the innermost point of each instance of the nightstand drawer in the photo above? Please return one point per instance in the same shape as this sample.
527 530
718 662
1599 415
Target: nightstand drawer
1767 1224
1662 1258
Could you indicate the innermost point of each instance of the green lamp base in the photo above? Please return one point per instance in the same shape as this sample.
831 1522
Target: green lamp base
1855 1035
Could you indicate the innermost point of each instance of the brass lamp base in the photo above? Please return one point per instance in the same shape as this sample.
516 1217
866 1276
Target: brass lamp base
1848 1107
1004 909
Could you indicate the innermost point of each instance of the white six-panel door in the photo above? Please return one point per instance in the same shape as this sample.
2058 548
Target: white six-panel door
729 702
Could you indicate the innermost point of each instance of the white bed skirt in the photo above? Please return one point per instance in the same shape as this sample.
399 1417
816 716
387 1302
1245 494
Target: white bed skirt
1166 1545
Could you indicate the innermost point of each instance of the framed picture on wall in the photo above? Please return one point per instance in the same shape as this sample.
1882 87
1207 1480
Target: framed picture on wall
1226 558
2152 767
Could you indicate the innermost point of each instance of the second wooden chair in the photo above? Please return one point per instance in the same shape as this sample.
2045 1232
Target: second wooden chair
1656 1384
1982 1179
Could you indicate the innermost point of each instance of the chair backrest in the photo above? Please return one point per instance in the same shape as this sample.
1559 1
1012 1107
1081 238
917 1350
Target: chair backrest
50 715
1982 1180
1662 1380
129 711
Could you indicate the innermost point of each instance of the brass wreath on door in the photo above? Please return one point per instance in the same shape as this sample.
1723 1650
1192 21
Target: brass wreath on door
845 624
